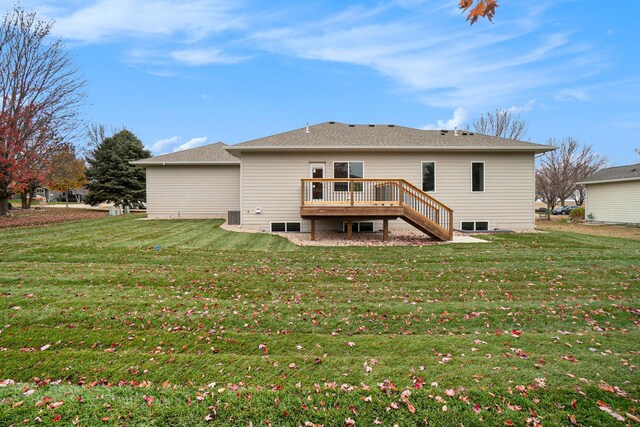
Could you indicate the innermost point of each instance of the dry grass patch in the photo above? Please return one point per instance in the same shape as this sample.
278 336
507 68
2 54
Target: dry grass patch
42 217
594 229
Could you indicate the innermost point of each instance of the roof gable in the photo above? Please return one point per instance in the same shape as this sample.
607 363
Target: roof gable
334 135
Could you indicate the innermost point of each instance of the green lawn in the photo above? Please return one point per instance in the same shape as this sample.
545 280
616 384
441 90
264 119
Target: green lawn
118 321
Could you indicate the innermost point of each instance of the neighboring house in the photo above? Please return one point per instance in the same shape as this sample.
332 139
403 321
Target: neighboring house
363 177
613 195
75 195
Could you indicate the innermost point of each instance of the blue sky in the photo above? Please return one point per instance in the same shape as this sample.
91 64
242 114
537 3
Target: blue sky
186 73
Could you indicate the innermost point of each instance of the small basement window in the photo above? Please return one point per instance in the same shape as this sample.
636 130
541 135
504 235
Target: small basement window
359 227
285 227
474 225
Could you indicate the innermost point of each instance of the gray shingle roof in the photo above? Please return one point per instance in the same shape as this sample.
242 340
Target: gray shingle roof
618 173
207 154
334 135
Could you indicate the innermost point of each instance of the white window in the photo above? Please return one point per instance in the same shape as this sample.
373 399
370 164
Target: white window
429 177
477 176
285 227
474 225
348 170
359 227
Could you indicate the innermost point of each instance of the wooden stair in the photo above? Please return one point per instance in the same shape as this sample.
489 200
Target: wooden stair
425 225
358 199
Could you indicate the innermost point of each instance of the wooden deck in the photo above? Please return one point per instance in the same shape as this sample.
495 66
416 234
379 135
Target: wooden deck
353 200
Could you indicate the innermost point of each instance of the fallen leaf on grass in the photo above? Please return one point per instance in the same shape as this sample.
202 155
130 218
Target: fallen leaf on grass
45 400
606 408
55 405
633 417
411 408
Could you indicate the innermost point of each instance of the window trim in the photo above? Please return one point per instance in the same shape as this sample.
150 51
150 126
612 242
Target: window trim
333 171
475 226
435 181
286 227
484 177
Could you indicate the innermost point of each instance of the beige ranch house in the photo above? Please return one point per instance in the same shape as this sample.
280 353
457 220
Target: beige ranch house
356 178
613 195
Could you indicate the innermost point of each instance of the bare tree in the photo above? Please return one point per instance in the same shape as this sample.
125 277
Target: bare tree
95 133
501 123
560 171
546 178
585 163
40 96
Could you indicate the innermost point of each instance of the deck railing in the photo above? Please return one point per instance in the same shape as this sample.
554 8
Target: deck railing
362 192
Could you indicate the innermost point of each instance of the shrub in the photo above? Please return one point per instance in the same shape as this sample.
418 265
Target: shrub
577 214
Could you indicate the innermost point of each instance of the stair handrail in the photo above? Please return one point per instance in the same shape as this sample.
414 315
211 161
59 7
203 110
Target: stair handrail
432 203
422 193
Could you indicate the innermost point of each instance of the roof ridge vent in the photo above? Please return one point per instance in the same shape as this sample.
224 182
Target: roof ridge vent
352 126
391 126
332 123
371 126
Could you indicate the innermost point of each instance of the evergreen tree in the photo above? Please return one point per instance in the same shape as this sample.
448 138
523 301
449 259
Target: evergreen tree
112 178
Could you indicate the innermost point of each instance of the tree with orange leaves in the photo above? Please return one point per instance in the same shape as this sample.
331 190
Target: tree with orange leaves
40 96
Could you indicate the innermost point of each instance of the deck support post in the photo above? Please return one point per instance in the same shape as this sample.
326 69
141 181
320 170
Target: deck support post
349 230
313 229
385 230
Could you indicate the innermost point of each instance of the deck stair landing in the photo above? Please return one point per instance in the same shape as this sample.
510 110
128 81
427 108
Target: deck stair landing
358 199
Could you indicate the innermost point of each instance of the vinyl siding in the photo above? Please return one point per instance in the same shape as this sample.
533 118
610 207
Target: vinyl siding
192 191
271 181
614 202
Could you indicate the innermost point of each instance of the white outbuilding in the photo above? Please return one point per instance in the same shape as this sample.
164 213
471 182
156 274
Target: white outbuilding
613 195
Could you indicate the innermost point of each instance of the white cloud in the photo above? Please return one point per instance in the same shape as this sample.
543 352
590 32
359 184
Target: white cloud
448 65
163 145
197 57
192 143
103 20
174 144
517 109
459 119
